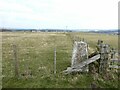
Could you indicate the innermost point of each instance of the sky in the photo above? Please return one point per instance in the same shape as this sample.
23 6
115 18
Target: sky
59 14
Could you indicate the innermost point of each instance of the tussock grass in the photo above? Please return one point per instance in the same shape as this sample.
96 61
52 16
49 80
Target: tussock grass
36 51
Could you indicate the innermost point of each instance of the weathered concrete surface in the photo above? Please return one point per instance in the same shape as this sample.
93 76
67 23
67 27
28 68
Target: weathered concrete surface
80 53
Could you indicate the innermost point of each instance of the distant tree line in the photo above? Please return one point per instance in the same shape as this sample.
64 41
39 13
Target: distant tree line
35 30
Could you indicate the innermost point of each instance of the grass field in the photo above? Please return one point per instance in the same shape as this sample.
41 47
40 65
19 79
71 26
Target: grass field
35 50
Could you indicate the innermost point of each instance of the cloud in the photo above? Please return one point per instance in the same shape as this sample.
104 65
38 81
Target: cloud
13 7
60 13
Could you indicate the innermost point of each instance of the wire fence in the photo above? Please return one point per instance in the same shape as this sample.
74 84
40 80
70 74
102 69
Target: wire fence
30 60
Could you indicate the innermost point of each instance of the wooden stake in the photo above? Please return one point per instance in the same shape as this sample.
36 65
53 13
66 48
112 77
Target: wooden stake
15 61
55 60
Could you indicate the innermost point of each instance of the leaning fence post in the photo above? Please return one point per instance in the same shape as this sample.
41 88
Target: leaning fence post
15 61
101 52
104 57
55 60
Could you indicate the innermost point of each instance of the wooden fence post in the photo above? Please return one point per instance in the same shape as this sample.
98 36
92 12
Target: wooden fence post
113 53
104 56
15 61
55 60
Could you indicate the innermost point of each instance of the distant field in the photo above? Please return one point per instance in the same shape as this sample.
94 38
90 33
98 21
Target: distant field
92 38
36 51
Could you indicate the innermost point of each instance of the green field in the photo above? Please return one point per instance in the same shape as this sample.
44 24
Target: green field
35 50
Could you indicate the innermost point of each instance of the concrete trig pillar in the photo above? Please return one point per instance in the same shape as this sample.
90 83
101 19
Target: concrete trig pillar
80 53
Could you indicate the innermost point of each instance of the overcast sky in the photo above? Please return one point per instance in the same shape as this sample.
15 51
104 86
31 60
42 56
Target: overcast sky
75 14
